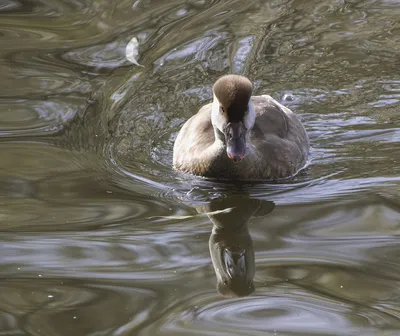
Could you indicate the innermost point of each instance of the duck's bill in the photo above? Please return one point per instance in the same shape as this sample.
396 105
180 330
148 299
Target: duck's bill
235 136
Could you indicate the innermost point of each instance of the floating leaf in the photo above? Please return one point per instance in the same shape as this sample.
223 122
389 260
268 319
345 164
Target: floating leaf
132 51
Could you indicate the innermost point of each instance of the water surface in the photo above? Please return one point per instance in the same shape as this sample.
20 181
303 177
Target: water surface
101 237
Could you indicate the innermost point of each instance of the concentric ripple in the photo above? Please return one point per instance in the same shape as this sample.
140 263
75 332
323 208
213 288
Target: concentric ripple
281 310
41 306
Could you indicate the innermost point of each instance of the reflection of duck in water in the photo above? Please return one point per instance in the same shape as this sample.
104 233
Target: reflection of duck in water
266 138
231 247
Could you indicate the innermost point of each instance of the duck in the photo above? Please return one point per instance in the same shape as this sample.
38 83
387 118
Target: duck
241 137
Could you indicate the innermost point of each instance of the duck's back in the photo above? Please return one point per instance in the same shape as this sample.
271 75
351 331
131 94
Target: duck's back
279 145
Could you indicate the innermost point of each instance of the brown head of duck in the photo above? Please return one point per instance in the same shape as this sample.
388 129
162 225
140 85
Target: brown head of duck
233 114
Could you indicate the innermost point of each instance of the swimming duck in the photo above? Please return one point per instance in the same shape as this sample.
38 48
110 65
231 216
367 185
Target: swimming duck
240 136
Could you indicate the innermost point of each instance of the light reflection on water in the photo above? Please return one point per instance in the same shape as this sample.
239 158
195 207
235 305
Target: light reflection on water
100 236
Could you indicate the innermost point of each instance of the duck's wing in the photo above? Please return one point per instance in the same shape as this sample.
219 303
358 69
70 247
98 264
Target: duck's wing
270 118
279 136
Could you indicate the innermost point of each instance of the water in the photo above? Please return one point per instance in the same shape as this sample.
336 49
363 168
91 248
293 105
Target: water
100 237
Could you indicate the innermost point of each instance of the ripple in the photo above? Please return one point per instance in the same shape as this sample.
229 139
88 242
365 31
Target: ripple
59 203
190 52
40 159
110 55
9 5
53 190
148 256
37 117
285 310
42 305
43 8
40 74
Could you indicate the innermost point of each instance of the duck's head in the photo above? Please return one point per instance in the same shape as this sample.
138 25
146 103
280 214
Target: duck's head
233 113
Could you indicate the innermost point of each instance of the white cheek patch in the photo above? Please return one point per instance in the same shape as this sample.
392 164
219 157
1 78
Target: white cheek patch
219 121
217 118
250 117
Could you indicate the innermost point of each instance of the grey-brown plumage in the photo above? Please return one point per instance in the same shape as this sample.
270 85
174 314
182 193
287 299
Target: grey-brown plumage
277 144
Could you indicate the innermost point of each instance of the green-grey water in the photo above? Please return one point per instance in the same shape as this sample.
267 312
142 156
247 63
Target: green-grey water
99 236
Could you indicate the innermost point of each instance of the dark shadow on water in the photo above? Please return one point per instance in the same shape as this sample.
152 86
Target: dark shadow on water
231 246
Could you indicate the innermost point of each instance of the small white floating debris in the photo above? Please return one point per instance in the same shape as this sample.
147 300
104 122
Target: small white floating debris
132 51
50 296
